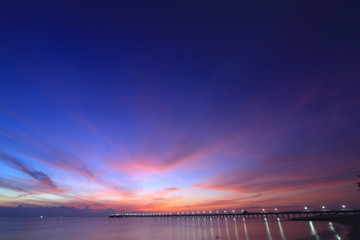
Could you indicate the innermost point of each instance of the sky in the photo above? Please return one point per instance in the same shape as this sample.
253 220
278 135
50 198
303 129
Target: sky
179 106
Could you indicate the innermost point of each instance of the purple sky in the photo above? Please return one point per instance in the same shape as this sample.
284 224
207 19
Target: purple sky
179 106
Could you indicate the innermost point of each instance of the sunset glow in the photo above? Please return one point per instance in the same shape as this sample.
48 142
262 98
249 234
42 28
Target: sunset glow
157 116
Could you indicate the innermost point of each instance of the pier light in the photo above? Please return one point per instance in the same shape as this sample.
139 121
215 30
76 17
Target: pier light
192 212
242 210
275 209
263 210
233 210
343 206
203 211
198 212
323 207
217 211
224 211
305 208
209 211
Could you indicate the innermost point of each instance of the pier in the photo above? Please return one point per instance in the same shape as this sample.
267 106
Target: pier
306 214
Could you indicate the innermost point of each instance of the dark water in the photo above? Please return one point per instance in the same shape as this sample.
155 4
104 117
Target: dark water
165 228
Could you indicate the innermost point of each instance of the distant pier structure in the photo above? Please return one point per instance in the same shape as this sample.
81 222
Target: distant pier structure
305 214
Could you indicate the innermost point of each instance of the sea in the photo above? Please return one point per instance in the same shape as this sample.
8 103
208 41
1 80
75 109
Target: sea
186 228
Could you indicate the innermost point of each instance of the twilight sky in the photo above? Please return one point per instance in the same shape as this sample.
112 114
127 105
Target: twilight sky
179 106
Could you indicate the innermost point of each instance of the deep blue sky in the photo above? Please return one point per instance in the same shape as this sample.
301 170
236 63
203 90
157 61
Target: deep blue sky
179 105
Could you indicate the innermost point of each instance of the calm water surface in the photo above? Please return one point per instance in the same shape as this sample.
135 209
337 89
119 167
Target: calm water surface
166 228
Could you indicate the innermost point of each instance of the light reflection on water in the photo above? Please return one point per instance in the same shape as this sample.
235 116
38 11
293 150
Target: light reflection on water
281 231
245 230
267 230
236 231
313 231
166 228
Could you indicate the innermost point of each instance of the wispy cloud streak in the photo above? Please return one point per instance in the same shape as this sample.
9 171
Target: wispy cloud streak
41 177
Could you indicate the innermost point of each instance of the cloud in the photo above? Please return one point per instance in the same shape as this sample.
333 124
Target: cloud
284 174
41 177
66 161
48 154
4 183
172 189
155 158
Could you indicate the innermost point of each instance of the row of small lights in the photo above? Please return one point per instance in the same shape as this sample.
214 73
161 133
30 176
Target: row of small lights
306 208
210 212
